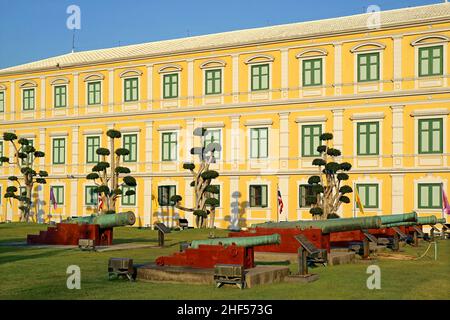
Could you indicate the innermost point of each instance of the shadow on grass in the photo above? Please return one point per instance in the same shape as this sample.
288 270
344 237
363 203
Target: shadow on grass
273 263
134 240
22 257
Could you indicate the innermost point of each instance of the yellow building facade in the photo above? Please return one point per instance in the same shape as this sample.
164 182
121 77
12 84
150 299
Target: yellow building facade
265 95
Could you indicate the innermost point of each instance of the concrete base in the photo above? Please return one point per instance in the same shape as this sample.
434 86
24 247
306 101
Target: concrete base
256 276
341 257
302 279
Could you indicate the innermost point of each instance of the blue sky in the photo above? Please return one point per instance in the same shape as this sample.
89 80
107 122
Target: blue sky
36 29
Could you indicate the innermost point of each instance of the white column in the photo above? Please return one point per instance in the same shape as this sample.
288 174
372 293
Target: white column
284 140
235 69
189 138
235 142
397 193
284 73
397 135
111 90
75 151
148 210
188 199
337 69
283 184
74 199
398 62
75 93
235 200
190 70
338 125
13 100
150 86
42 146
148 145
43 106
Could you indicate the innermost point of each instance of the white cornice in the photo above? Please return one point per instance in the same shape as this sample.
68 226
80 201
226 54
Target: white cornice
368 116
430 112
311 119
259 122
169 127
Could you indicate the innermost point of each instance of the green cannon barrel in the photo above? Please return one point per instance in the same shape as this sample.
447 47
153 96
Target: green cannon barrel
107 220
441 221
430 220
240 241
396 218
327 226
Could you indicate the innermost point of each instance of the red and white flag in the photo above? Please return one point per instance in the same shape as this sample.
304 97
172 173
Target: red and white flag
53 199
280 202
100 202
445 202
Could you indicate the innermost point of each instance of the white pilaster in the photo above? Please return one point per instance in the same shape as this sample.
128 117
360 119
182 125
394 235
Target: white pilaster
148 202
148 145
235 199
75 93
189 138
284 73
397 193
235 69
43 106
283 185
398 62
13 100
42 146
337 69
150 86
188 199
111 90
75 143
284 140
397 135
190 70
74 198
338 125
235 141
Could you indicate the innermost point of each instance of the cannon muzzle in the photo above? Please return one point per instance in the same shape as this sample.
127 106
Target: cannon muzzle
240 242
430 220
106 220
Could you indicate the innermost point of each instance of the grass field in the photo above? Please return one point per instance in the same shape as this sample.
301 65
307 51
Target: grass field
32 273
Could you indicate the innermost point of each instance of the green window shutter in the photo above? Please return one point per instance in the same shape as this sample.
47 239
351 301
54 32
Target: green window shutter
216 195
60 96
368 138
431 61
28 99
312 72
131 89
369 195
431 136
169 146
258 196
260 77
259 143
30 157
92 144
164 195
1 155
170 86
311 139
58 191
2 101
430 195
128 200
212 136
130 143
59 151
368 67
91 195
213 81
94 93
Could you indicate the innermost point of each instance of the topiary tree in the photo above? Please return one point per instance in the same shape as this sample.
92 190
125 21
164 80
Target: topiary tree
24 159
327 192
106 174
204 202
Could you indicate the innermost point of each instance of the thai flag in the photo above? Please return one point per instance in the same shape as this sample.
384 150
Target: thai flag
445 202
52 198
280 202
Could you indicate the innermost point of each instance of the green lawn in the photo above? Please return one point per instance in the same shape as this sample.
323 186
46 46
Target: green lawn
32 273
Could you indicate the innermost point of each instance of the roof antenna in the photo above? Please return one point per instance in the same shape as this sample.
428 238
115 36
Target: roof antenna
73 41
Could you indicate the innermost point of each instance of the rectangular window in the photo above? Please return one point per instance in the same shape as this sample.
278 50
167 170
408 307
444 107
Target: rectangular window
216 195
131 86
213 81
260 77
259 143
92 144
2 101
431 136
59 151
58 191
169 146
1 155
91 195
130 143
431 61
30 157
128 200
368 193
430 195
305 196
368 138
164 195
94 93
212 136
312 72
60 99
369 67
258 196
28 99
311 139
170 86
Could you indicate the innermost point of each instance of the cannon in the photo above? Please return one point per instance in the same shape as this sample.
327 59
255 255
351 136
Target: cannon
430 220
98 228
208 253
399 218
